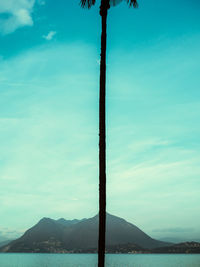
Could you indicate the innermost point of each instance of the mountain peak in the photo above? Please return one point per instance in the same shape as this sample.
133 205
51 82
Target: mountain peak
46 220
69 235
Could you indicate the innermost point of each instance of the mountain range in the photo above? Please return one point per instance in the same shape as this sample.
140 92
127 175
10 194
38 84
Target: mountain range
62 235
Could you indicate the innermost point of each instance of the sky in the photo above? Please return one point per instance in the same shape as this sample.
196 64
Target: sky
49 82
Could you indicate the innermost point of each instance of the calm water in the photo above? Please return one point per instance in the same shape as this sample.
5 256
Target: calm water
90 260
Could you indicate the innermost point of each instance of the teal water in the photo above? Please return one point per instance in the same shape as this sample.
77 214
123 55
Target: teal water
90 260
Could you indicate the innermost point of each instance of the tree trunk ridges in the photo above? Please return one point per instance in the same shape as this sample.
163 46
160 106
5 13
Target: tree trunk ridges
102 142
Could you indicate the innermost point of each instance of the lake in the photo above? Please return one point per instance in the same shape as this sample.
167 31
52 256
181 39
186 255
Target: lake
90 260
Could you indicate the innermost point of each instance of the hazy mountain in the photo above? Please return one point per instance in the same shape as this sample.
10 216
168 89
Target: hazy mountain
2 238
179 240
186 247
3 243
61 235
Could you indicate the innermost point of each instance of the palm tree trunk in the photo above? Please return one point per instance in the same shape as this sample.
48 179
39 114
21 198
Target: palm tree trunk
102 144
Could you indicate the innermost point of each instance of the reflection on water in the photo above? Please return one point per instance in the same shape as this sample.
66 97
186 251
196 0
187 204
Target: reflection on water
90 260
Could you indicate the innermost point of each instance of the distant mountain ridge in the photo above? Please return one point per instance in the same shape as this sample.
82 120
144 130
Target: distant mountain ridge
62 235
181 248
3 243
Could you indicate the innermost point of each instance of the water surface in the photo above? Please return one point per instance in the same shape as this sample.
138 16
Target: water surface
90 260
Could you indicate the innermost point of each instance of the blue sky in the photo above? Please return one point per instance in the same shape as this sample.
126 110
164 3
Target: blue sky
49 74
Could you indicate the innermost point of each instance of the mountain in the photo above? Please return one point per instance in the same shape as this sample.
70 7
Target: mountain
3 243
79 235
181 248
178 240
69 222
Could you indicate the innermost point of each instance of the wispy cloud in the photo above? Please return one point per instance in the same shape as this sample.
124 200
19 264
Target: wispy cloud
50 35
15 14
48 147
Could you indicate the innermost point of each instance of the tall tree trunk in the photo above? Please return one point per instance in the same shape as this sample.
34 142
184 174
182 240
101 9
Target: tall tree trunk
102 142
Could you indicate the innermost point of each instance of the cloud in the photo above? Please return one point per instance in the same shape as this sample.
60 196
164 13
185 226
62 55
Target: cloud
15 14
49 36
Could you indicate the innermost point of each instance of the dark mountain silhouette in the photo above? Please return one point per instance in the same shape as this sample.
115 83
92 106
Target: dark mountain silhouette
68 222
61 235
